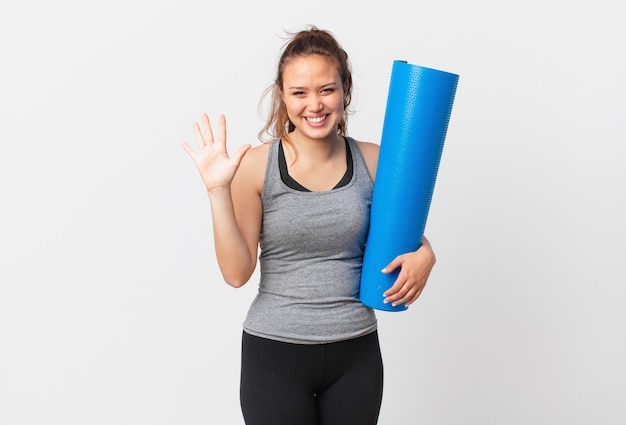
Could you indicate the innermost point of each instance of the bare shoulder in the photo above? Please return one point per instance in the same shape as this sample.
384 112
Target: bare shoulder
370 154
256 156
251 171
369 149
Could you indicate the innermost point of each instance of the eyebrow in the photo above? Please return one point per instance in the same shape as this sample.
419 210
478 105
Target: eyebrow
322 86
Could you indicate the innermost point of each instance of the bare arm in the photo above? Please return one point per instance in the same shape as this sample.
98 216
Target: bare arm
235 201
246 199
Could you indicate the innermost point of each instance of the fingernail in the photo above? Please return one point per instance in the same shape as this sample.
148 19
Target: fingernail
384 270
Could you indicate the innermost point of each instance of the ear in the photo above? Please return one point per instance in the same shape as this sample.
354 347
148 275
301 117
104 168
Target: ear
345 86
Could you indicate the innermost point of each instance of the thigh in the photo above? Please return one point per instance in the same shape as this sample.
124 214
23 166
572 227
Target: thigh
355 373
277 382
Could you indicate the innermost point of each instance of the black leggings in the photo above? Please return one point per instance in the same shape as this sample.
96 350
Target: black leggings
339 383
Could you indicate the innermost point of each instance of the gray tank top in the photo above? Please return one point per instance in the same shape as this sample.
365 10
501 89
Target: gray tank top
311 257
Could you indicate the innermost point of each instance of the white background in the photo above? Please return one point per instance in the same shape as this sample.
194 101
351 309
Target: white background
112 310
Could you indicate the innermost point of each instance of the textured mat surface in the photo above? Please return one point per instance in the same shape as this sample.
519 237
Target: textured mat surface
419 104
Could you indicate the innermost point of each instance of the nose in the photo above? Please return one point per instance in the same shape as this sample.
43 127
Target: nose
316 105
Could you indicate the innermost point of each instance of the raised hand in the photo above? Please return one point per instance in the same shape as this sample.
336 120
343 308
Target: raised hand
216 167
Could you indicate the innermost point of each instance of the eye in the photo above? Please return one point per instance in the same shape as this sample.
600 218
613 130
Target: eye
328 90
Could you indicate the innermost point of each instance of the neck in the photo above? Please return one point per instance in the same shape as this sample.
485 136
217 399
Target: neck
320 150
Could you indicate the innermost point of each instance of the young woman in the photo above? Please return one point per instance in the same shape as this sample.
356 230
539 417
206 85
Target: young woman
310 350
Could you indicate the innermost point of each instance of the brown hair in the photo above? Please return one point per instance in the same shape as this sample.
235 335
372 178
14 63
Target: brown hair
311 41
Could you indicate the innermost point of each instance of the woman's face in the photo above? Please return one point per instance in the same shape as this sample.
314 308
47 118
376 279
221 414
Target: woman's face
313 95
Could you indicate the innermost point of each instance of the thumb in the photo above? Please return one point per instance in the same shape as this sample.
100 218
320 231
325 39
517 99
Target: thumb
393 265
241 152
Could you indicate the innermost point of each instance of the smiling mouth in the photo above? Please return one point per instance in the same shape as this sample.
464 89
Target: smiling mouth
316 120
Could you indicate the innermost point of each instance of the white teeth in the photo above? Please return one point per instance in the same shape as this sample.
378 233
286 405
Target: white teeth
316 120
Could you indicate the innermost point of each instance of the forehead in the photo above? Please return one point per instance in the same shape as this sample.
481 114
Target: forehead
313 67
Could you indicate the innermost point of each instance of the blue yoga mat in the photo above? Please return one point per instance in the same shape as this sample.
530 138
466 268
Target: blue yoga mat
419 104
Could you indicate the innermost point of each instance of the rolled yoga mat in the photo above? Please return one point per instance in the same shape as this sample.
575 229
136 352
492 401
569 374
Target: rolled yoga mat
419 105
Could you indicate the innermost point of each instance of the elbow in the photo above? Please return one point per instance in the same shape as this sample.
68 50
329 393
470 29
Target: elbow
235 283
236 280
237 275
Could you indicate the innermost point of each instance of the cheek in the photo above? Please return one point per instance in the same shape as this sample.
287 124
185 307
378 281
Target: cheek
294 107
337 102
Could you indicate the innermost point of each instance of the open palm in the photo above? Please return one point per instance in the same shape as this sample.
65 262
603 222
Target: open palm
216 167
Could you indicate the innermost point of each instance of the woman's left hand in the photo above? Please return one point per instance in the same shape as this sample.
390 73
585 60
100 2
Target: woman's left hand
414 272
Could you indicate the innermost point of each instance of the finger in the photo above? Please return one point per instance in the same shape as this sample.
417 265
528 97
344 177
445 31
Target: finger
414 297
241 153
407 295
414 292
199 138
392 266
395 292
221 131
189 150
208 131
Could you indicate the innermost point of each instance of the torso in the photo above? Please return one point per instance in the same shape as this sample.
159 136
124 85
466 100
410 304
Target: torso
248 186
312 245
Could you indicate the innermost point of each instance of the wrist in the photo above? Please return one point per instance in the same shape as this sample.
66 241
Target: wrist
218 191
